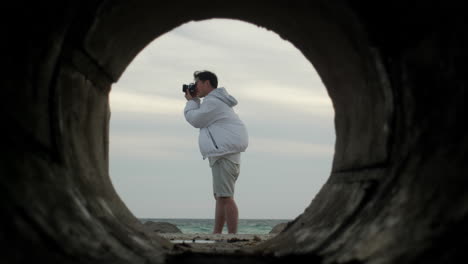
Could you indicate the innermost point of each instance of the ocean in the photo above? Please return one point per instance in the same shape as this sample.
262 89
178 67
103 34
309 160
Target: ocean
205 226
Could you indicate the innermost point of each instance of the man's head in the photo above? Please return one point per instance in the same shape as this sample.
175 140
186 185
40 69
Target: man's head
205 82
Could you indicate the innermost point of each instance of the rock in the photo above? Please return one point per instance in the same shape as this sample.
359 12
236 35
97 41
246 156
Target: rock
161 227
278 228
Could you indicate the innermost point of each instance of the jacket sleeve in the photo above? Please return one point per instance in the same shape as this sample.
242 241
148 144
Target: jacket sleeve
200 115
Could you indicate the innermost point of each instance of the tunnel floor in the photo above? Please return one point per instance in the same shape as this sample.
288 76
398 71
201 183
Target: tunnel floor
220 243
226 248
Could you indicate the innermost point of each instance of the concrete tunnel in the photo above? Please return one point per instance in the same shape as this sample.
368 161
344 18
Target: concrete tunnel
395 72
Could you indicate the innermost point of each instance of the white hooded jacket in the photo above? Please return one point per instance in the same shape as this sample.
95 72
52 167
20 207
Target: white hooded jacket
221 130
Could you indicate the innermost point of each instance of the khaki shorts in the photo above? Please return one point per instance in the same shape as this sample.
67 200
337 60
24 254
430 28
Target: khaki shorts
225 173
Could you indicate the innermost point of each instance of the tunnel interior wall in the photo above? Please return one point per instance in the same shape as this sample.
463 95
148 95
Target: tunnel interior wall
58 199
396 189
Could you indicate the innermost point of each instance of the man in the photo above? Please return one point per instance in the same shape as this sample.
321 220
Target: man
222 138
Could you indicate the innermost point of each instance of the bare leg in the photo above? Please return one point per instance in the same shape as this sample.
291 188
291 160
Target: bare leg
231 214
219 216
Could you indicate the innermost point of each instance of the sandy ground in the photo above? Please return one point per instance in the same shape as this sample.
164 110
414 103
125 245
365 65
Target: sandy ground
222 243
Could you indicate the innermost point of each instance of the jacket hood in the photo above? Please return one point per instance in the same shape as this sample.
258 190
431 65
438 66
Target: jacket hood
223 95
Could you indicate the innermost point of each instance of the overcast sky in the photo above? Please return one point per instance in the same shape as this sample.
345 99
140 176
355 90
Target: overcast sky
155 163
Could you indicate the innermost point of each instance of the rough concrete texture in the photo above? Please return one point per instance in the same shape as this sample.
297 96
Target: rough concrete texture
396 74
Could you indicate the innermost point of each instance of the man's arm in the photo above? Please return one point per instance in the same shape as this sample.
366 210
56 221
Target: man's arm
199 115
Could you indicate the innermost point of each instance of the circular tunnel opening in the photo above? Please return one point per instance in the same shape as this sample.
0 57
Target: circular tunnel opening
155 164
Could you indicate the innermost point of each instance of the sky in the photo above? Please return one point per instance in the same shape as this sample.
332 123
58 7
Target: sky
155 163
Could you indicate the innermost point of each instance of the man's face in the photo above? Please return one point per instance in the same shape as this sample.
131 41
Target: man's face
203 88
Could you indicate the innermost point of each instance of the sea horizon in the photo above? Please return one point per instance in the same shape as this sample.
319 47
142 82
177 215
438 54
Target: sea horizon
205 225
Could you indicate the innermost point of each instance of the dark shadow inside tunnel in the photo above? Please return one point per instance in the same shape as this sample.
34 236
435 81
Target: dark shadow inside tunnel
155 164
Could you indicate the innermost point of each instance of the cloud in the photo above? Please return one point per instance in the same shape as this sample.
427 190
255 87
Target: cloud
296 99
121 101
151 146
290 148
233 35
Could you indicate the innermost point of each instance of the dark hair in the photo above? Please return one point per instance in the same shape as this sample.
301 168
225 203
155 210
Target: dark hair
207 75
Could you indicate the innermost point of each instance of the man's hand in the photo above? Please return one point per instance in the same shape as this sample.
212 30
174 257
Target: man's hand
188 96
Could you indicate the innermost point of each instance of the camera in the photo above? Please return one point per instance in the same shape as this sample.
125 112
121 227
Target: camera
191 87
